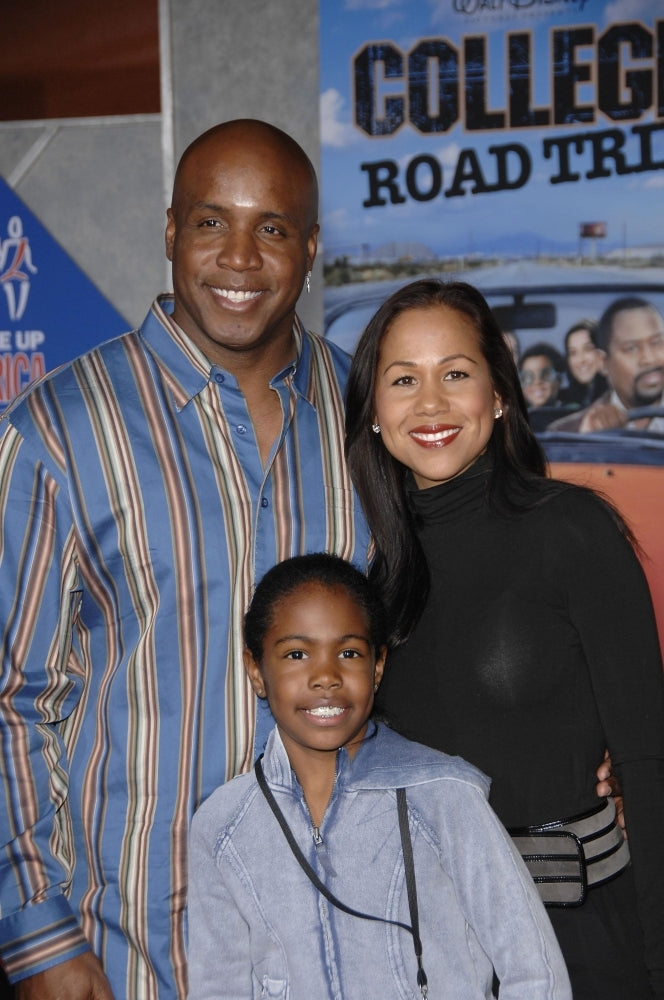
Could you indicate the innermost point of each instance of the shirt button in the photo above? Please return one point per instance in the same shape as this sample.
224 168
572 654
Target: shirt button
218 377
241 429
264 502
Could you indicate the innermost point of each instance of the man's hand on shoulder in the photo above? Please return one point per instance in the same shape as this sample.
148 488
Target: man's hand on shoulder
80 978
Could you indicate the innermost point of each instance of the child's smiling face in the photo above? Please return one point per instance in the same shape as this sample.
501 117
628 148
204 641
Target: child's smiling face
318 669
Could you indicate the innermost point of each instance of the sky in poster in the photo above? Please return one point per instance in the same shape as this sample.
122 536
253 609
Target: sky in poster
536 217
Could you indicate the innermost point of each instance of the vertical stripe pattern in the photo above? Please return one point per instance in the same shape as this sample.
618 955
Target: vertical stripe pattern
135 517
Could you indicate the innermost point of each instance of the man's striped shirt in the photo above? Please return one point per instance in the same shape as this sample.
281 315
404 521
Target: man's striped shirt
135 517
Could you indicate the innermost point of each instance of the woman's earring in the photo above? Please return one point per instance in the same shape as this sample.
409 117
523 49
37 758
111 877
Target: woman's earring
375 428
308 281
497 413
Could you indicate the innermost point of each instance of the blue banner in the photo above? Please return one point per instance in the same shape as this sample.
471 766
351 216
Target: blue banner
50 311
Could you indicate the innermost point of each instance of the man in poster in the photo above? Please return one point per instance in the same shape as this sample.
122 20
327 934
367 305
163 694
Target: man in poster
631 335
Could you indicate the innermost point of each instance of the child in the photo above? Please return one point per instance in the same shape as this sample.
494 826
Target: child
259 926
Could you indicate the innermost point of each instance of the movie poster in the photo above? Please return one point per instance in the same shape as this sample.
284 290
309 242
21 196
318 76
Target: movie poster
517 145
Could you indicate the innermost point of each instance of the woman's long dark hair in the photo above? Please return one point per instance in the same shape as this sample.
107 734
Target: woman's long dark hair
517 461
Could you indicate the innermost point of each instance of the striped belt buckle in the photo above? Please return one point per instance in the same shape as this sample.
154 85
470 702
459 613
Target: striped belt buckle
567 857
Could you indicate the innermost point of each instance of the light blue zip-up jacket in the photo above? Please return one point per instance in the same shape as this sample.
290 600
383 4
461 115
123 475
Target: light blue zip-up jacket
259 928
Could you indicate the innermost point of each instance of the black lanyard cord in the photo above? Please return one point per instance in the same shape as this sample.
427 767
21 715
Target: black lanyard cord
407 848
411 888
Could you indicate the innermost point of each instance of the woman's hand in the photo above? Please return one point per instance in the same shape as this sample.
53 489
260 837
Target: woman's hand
607 785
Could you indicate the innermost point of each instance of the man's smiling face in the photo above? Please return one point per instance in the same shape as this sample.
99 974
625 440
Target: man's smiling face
635 357
241 235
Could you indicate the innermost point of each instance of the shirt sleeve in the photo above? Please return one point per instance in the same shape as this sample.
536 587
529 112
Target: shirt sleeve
610 606
40 683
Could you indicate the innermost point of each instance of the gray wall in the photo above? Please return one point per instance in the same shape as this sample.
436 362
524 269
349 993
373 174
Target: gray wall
101 186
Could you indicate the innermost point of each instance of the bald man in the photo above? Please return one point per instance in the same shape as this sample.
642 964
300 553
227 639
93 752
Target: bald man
144 488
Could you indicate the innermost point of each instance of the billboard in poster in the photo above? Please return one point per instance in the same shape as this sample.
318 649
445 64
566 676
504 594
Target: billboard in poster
518 145
50 311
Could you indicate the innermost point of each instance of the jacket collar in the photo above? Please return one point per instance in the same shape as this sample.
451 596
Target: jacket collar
385 760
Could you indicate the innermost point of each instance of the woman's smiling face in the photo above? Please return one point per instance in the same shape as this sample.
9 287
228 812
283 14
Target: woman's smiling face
434 399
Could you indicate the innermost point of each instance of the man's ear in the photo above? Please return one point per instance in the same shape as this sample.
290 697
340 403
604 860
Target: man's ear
312 246
254 673
170 233
602 360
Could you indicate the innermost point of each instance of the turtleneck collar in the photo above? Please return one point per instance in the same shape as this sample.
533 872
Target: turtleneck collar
461 495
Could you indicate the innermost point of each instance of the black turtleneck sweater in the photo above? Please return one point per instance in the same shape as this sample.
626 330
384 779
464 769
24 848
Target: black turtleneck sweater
538 649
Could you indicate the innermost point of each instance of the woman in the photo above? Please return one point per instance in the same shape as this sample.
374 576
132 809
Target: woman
586 382
522 626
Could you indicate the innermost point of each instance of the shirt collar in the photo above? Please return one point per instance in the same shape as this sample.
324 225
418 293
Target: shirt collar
187 369
615 400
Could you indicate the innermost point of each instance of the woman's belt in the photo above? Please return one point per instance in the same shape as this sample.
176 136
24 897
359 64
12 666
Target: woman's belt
566 857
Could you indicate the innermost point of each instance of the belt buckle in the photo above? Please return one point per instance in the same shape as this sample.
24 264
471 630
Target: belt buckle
556 862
